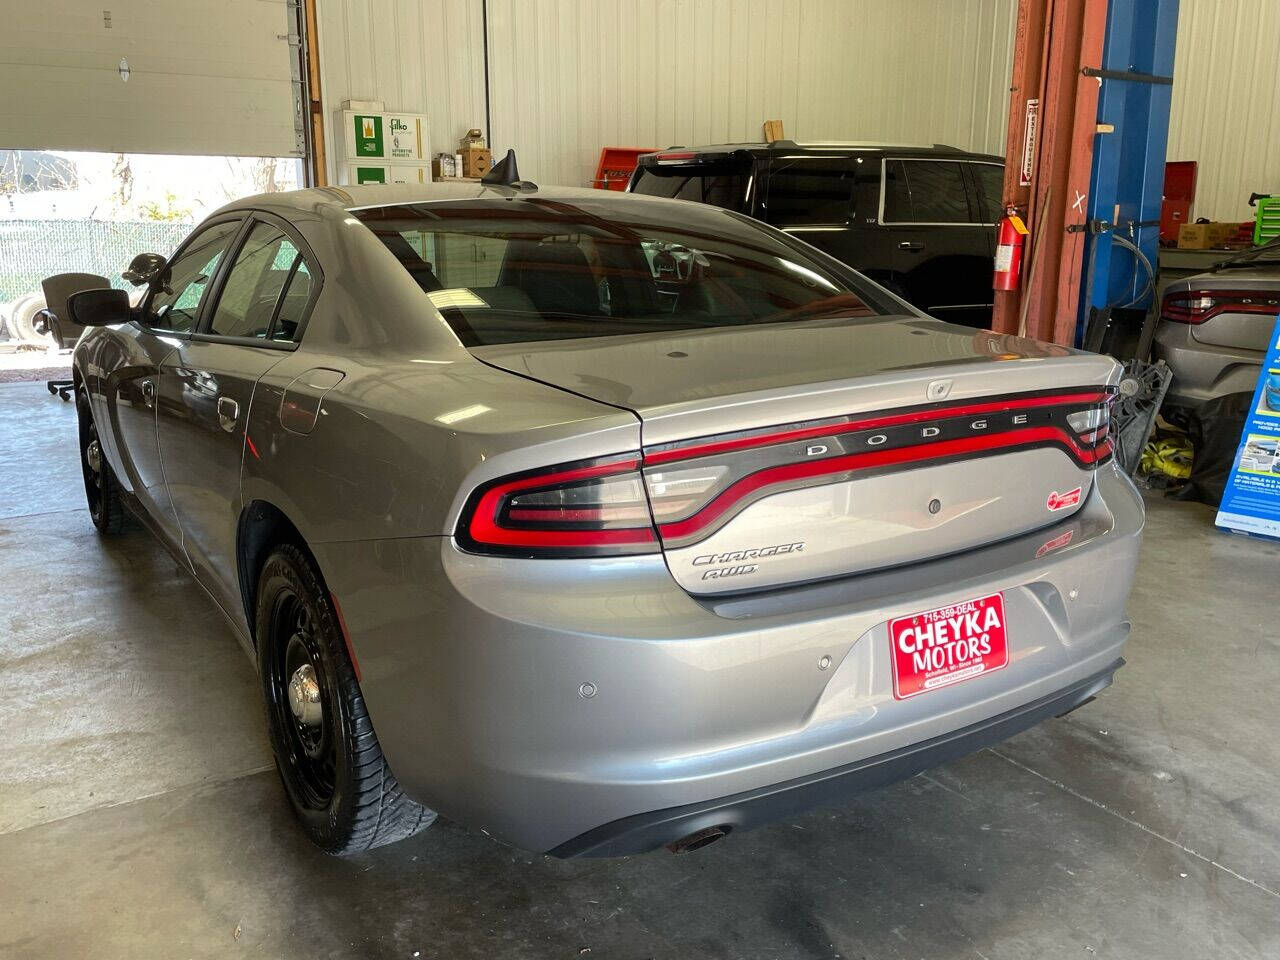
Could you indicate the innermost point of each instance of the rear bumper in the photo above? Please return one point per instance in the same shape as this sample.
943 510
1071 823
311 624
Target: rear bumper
647 831
558 704
1203 371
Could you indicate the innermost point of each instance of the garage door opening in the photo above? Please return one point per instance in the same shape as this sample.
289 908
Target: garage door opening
90 212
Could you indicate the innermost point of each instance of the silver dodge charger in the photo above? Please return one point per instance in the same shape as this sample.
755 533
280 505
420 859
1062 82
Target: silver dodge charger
596 521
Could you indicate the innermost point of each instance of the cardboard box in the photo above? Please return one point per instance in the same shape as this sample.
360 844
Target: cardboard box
772 131
476 161
1205 236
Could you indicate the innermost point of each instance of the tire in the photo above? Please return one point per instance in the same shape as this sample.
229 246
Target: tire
22 320
326 751
101 489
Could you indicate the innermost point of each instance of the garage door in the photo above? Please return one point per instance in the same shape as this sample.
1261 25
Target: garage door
202 78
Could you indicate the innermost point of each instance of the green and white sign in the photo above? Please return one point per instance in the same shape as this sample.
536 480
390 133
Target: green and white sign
368 130
371 174
404 137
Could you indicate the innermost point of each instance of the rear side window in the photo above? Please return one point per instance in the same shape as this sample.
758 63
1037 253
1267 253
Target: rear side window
719 184
535 269
811 191
925 191
293 305
988 180
268 281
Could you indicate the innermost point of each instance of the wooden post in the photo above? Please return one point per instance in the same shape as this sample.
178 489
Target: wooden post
315 110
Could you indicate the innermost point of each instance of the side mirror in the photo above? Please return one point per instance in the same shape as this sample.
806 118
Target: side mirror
143 268
99 308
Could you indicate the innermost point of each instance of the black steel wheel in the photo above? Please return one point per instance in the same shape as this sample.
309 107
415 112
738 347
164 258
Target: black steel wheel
300 686
326 751
102 491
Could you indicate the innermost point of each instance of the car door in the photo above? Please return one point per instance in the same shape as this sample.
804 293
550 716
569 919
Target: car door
207 383
165 317
941 254
986 180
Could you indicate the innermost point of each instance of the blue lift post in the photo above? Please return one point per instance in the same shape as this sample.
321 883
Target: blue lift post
1127 182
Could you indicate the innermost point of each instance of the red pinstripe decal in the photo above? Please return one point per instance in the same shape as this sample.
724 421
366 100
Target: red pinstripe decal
916 416
771 476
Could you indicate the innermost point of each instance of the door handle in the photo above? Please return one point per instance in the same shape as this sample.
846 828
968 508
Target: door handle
228 413
148 392
911 245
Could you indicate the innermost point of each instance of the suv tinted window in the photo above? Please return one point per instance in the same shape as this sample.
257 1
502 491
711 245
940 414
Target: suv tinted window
805 191
988 180
925 191
721 184
593 268
175 298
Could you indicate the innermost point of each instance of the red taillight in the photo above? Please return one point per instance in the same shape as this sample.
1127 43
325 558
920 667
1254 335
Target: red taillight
588 509
1197 306
674 157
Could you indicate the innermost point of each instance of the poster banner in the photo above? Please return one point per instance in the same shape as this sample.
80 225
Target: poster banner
1251 500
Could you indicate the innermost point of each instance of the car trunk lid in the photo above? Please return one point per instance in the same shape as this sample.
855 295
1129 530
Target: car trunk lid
1233 308
789 452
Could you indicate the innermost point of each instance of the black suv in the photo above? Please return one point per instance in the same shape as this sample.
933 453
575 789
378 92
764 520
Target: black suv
918 219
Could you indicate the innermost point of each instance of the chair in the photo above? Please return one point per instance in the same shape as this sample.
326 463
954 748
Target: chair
55 321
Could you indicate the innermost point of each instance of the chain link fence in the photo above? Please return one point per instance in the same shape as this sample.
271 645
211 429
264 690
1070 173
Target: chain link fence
31 250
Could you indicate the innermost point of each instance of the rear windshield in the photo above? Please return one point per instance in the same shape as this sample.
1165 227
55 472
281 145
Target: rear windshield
721 184
531 269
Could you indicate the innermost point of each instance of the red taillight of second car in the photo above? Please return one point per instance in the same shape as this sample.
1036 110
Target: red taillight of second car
1197 306
585 509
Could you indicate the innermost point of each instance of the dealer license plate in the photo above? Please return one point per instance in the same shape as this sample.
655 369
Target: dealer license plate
948 645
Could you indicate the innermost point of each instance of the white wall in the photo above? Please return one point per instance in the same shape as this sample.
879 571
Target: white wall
570 76
1226 102
419 56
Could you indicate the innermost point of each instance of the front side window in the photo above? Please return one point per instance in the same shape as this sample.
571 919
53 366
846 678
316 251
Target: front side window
811 191
174 303
925 191
254 286
531 269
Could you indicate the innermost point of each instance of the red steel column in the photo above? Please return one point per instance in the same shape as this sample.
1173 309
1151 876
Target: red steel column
1055 40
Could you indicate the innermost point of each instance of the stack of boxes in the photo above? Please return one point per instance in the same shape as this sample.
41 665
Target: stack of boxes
475 157
1208 236
472 161
381 147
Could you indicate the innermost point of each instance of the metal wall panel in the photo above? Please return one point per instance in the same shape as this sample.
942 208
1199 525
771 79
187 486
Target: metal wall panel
205 78
1226 102
571 76
419 56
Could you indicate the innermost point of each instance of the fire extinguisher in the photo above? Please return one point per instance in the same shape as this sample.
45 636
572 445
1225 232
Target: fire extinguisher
1009 239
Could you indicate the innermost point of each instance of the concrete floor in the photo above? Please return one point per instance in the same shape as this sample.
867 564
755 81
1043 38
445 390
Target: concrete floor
140 815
